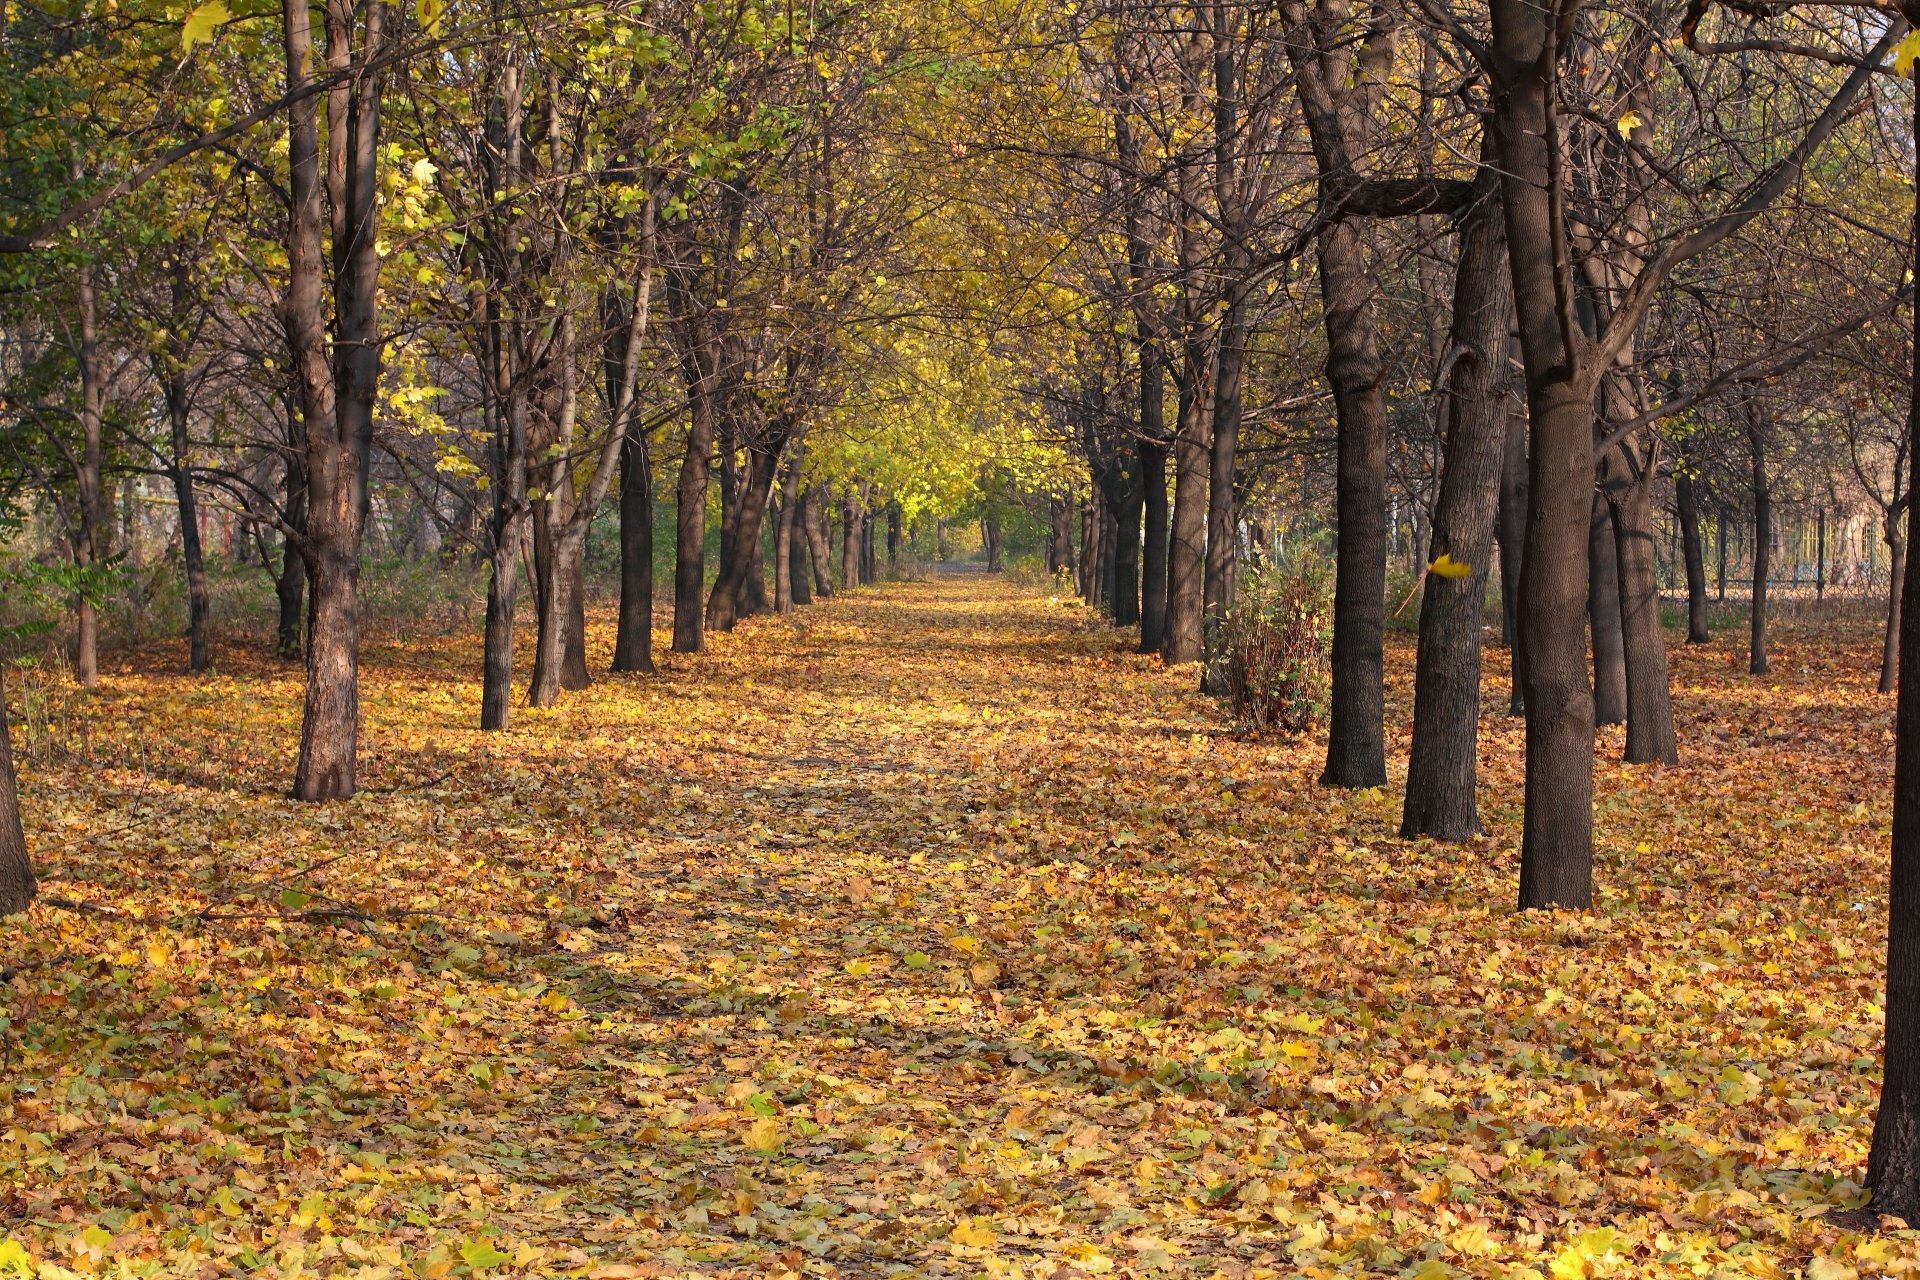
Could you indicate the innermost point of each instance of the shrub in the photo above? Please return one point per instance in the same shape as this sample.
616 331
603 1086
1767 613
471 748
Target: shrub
1279 636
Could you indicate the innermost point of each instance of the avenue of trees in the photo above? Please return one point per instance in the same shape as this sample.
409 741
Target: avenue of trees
1541 303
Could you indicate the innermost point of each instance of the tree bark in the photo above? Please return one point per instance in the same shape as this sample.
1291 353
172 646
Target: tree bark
1896 586
1223 542
1513 532
1153 511
633 639
199 600
1893 1162
732 597
1356 732
1603 610
88 545
690 496
17 885
1651 738
785 579
819 542
851 517
1556 852
1186 545
1687 503
1762 536
1440 797
338 372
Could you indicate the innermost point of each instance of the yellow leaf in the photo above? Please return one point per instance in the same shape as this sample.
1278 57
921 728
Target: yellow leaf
1627 123
975 1233
765 1135
431 13
1447 567
200 24
1906 53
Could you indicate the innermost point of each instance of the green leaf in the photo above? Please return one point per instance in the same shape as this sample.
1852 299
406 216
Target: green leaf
201 24
482 1256
917 960
762 1105
294 899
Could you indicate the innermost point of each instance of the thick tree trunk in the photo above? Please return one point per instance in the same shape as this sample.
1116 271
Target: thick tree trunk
1556 852
1651 738
819 542
1186 549
1687 503
1603 610
633 638
894 535
17 885
338 368
1446 701
1762 538
1896 585
1356 733
1893 1163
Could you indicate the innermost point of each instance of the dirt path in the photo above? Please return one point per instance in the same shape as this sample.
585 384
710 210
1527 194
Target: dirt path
930 930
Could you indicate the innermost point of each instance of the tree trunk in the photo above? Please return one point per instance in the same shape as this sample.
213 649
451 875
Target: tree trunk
732 598
894 534
690 529
1762 537
1440 798
1896 584
819 541
88 547
1603 610
850 518
1893 1163
801 564
869 563
290 586
633 638
1513 532
1153 511
573 662
1650 732
1687 502
503 589
1556 852
1223 542
338 372
199 600
784 541
17 885
1186 546
1356 735
1720 539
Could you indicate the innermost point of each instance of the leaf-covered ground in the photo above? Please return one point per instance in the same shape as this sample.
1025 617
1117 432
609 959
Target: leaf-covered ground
929 933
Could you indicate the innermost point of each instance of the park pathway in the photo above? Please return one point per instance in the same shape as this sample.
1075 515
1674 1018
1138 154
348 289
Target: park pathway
928 931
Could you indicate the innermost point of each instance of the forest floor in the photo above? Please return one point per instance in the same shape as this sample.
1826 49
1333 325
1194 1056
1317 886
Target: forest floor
929 932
